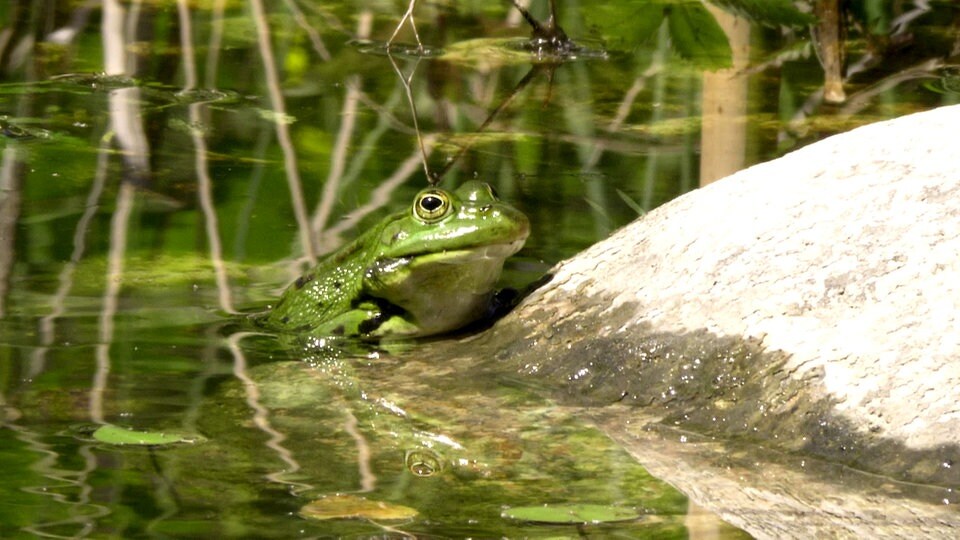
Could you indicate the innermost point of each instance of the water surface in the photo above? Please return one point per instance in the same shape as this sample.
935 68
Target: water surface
166 166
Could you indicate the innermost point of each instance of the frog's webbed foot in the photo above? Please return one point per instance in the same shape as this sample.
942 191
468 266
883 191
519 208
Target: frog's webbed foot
368 318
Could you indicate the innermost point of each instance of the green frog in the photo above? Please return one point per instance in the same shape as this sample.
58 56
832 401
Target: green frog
428 270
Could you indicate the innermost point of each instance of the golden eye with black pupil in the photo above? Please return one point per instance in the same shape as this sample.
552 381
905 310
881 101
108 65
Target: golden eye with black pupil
431 205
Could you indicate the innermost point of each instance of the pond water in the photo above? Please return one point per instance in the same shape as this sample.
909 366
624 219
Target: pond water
168 166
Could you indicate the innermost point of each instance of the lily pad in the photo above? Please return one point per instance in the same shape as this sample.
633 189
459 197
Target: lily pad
354 507
571 513
122 436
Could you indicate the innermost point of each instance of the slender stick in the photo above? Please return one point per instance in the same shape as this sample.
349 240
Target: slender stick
413 25
283 131
552 21
413 110
537 27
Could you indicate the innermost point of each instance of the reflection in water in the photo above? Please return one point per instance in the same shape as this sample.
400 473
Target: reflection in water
723 135
118 116
827 41
65 487
368 480
261 415
115 257
204 184
279 112
10 176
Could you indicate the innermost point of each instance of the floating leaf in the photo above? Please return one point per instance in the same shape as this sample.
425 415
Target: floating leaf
571 513
354 507
117 435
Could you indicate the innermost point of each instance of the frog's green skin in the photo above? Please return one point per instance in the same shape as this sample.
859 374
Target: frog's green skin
428 270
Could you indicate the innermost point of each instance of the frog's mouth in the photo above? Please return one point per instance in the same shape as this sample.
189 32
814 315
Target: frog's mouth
459 256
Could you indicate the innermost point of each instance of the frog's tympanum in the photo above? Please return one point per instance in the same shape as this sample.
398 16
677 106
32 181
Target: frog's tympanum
427 270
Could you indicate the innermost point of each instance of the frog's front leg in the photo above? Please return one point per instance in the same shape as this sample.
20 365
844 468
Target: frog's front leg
368 319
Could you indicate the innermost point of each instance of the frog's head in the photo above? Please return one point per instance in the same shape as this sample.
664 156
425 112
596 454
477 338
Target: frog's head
440 222
439 261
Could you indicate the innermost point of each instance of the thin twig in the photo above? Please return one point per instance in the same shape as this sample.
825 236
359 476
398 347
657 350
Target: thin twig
413 25
379 197
413 111
537 28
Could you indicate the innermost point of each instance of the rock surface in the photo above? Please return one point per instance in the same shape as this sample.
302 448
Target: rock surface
812 302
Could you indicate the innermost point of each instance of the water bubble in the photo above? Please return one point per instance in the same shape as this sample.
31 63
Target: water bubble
423 462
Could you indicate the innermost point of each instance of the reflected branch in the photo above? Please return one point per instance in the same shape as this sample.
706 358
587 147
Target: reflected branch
370 142
119 225
204 187
368 480
216 41
623 110
925 69
380 196
114 48
125 119
283 132
385 115
344 135
83 514
11 170
65 279
312 33
405 81
261 415
339 156
659 88
119 29
65 35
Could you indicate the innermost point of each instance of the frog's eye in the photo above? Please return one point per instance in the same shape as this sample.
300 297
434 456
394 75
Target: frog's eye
431 205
